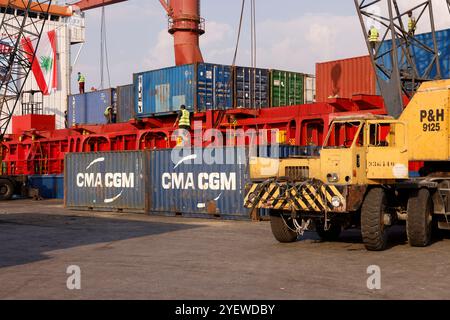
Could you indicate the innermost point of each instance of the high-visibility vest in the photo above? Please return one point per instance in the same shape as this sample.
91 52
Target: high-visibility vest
185 119
81 78
374 35
412 24
107 111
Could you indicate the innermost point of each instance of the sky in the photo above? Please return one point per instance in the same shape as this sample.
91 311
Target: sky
291 35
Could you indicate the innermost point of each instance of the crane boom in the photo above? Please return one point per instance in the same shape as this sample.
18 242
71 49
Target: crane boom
92 4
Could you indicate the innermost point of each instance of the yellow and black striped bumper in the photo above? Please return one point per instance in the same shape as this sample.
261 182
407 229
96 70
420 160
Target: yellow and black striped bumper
300 197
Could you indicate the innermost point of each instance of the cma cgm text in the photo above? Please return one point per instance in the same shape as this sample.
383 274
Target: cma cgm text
105 180
203 181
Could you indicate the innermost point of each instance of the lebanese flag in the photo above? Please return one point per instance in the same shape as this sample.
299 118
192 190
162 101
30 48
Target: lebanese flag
44 65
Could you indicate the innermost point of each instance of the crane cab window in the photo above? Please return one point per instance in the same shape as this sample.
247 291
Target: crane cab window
385 134
342 135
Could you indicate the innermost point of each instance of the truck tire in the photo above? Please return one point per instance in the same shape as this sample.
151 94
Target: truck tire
6 189
282 228
373 230
332 234
419 222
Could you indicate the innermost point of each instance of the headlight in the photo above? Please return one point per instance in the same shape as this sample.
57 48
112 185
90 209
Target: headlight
332 177
336 202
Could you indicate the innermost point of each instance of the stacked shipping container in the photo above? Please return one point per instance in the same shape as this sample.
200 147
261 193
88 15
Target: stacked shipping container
166 182
200 87
89 108
345 78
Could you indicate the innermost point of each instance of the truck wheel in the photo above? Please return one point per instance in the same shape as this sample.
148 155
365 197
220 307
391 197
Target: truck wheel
332 234
282 228
373 230
6 189
419 222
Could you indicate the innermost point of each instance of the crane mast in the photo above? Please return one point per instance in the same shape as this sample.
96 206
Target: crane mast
396 67
21 21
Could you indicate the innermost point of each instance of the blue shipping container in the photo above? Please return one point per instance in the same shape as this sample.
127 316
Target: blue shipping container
166 182
89 108
50 186
76 109
422 57
214 87
125 103
198 86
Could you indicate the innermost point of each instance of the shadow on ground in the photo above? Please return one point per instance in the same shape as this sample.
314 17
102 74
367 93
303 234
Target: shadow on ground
24 238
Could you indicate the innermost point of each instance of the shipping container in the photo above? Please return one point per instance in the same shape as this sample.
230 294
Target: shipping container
345 78
198 86
310 89
125 109
89 108
167 182
421 56
251 88
112 181
286 88
164 90
50 186
214 87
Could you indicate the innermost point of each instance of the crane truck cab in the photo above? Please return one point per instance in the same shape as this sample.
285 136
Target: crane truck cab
361 176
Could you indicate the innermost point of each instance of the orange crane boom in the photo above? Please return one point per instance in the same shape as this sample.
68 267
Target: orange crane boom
92 4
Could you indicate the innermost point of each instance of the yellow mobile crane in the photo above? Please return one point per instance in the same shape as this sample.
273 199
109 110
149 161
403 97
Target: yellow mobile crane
361 176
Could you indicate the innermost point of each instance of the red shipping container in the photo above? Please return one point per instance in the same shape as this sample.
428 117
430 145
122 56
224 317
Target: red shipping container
345 78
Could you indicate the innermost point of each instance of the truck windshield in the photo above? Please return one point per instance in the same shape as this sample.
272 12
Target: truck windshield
342 135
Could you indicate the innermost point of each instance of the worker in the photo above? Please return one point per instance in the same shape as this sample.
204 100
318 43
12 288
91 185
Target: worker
66 120
183 119
412 24
374 36
81 82
109 115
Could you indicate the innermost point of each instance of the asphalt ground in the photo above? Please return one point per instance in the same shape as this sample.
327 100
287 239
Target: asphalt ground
128 256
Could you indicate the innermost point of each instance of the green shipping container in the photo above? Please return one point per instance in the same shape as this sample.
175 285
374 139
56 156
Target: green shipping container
286 88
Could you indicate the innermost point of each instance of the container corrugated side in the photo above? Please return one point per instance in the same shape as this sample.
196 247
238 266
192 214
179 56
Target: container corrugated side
214 87
89 108
251 88
96 104
310 89
114 181
164 90
180 186
76 109
125 103
50 186
345 78
422 56
286 88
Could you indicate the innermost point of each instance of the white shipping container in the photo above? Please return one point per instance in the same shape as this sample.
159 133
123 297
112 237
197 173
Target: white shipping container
310 89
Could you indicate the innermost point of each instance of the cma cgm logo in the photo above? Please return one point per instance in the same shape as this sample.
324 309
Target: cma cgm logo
109 180
215 181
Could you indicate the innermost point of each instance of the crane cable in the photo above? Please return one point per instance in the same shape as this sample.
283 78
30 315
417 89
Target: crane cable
239 33
104 56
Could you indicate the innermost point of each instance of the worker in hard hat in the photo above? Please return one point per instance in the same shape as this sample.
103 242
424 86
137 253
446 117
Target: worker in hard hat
109 114
183 119
374 37
81 82
412 24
